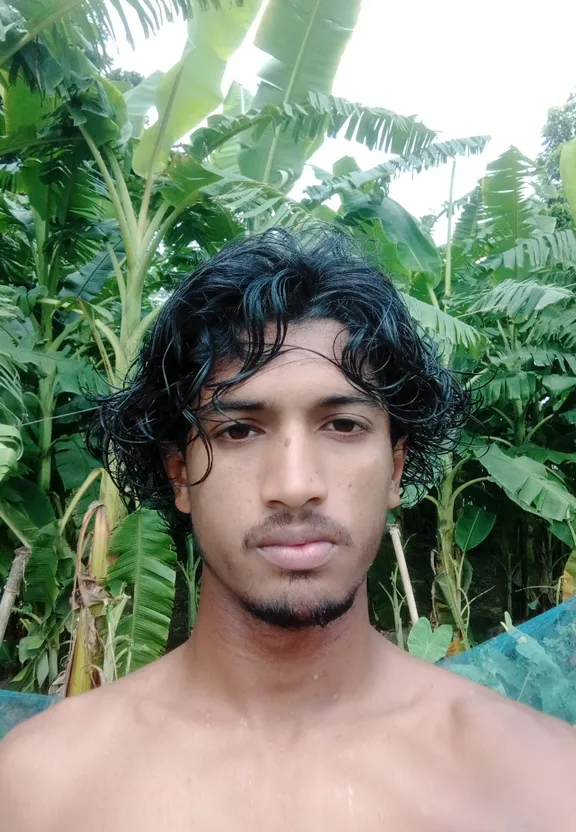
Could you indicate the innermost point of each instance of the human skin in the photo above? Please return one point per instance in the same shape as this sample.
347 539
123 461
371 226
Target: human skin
257 726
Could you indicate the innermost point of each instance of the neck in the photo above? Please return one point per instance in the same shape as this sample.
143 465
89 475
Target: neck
264 673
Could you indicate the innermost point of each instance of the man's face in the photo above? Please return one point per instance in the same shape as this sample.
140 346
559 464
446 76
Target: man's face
293 511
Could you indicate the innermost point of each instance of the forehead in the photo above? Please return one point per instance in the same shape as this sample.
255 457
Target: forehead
310 356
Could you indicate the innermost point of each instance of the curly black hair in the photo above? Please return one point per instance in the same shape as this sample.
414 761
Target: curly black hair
221 311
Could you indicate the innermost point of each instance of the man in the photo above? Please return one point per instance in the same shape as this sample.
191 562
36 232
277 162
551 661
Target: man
281 396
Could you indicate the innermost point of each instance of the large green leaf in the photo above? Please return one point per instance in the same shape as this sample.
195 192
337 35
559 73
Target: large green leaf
555 324
73 461
26 506
49 551
252 202
237 103
528 483
568 174
431 155
448 331
73 375
541 454
192 88
27 511
428 644
87 282
506 386
416 251
140 100
539 252
305 40
473 526
12 412
146 563
317 116
439 153
78 24
543 356
507 200
514 299
24 110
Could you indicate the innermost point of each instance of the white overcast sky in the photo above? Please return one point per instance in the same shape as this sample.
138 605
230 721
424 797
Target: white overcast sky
492 67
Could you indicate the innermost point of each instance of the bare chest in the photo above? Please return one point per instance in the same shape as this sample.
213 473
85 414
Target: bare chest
329 786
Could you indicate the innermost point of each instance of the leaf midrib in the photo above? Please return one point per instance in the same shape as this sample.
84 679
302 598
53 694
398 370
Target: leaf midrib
289 88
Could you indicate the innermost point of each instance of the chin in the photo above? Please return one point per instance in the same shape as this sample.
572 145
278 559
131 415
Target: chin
293 613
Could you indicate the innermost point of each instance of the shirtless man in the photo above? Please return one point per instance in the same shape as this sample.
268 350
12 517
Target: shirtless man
285 711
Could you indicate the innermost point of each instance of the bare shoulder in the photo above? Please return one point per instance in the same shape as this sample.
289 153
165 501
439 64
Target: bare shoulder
55 752
528 754
44 755
488 716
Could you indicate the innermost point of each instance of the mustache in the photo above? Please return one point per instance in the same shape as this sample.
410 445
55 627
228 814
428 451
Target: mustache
284 519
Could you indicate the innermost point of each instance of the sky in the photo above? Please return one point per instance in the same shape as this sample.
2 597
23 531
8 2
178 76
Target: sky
486 68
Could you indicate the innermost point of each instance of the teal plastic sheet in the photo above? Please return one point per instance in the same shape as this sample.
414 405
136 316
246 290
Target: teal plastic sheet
534 663
16 707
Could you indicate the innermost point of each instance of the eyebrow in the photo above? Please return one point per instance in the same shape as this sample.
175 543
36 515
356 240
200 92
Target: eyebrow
252 405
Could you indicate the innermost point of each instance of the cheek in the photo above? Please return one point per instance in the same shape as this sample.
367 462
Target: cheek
364 490
221 504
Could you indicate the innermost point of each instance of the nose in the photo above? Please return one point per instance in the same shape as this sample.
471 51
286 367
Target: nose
291 475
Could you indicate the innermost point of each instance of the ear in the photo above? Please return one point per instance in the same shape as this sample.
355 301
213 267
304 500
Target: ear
398 460
175 465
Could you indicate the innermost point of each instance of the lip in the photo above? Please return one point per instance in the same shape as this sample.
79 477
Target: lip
297 548
295 536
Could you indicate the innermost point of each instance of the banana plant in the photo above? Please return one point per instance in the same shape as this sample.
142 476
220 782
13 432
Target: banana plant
520 379
142 193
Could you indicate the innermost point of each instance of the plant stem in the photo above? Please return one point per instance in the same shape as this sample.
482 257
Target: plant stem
467 485
537 427
163 126
12 587
47 402
133 342
92 477
125 199
119 354
14 529
120 282
98 342
405 575
503 334
448 269
116 202
154 224
432 296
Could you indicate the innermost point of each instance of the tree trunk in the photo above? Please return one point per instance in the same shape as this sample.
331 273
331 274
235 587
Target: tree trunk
12 587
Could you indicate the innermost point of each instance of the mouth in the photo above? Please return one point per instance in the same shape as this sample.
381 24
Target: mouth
299 556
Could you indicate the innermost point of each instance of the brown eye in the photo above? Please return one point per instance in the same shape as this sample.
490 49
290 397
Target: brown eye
346 425
237 432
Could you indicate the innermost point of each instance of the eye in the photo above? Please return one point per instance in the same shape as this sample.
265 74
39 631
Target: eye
236 432
347 426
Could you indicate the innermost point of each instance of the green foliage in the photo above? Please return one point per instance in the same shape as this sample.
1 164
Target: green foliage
145 563
100 214
305 41
449 332
473 526
191 90
528 483
12 410
428 644
518 301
